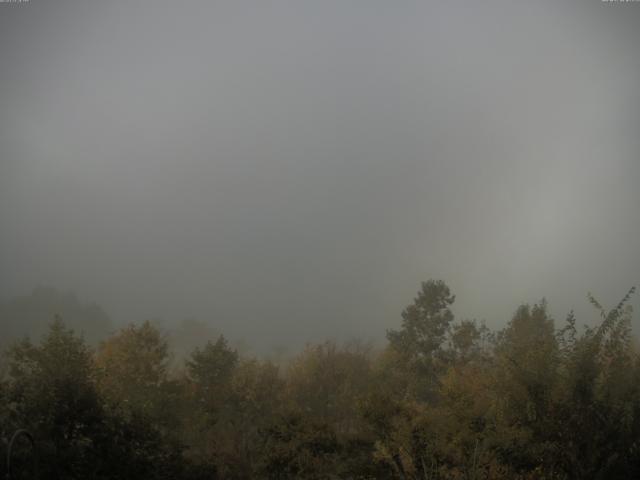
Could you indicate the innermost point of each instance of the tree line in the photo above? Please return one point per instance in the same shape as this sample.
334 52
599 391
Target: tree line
443 399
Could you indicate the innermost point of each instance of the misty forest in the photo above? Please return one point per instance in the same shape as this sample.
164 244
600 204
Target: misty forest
319 240
445 398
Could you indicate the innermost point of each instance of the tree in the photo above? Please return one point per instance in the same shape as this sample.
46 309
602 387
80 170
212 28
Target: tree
132 367
299 448
255 400
598 415
209 373
212 366
469 341
526 378
425 326
528 351
51 391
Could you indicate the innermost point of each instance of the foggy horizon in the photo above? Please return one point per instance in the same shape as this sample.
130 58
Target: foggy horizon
292 172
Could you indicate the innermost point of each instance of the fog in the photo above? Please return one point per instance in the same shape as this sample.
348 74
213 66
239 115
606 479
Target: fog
290 171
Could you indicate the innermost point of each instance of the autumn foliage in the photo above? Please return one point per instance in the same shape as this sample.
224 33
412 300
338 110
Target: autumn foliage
443 399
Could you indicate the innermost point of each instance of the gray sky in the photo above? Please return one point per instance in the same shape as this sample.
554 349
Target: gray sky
290 171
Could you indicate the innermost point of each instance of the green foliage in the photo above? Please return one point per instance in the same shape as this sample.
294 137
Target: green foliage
212 366
52 391
425 326
208 395
425 323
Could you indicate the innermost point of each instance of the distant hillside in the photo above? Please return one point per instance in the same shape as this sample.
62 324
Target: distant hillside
31 315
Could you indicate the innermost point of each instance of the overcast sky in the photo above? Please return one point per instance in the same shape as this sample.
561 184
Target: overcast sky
290 171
